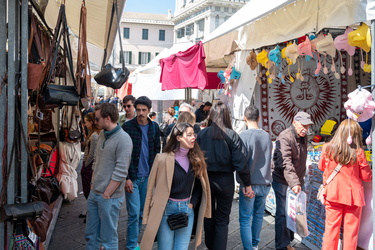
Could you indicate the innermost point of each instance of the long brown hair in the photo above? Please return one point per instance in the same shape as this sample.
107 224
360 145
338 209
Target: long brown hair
196 156
90 117
338 149
219 120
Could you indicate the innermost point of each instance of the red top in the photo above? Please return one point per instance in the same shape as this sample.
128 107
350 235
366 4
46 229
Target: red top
346 188
185 69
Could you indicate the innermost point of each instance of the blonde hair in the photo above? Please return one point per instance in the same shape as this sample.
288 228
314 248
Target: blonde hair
186 117
338 149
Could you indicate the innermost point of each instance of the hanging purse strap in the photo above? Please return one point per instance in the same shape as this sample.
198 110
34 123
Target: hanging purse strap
333 174
114 10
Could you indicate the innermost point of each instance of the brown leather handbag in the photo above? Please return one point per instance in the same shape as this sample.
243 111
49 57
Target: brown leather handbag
40 224
36 68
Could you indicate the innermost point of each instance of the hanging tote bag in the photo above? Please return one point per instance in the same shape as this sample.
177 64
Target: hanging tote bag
110 76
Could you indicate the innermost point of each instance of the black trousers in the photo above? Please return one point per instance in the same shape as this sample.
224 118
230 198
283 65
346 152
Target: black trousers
216 228
86 174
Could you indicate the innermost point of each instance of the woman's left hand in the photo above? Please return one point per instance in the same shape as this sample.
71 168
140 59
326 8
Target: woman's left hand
190 205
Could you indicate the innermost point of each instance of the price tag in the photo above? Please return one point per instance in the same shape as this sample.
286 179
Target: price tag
32 236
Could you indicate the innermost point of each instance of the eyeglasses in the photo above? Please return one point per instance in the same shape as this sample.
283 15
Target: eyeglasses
97 118
128 106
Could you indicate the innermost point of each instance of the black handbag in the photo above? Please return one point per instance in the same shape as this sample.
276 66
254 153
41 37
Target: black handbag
21 211
177 221
110 76
61 95
180 219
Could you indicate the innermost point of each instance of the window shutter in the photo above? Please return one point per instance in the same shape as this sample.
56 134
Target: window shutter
139 57
149 57
130 57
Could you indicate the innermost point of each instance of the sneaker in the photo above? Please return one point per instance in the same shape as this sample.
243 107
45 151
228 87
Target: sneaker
255 248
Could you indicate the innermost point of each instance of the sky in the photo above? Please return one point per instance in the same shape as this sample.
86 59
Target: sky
150 6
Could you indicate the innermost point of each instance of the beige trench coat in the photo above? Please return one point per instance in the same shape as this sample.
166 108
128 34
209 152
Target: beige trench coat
158 190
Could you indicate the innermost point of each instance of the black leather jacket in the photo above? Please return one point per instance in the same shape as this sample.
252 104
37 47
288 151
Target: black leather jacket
227 155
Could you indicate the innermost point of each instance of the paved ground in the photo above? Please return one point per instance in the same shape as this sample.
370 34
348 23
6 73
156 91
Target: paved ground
69 229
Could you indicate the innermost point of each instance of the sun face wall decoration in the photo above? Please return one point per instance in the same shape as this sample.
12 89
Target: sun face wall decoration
301 90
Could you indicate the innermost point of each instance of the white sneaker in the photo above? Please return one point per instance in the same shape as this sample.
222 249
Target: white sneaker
255 248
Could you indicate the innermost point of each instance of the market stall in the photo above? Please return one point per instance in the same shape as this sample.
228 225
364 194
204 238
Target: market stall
281 77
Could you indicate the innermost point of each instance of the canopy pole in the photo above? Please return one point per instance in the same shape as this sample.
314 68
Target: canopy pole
373 123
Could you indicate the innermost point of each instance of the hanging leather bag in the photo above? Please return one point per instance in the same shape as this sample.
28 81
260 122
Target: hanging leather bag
110 76
83 72
60 94
36 67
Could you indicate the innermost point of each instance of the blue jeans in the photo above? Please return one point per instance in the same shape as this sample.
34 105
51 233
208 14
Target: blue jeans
134 204
251 213
177 239
283 236
102 221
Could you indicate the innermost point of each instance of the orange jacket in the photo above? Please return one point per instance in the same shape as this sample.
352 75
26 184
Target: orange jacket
346 188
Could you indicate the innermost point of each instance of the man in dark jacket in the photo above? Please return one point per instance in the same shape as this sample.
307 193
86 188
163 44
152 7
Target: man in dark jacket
202 113
145 135
289 164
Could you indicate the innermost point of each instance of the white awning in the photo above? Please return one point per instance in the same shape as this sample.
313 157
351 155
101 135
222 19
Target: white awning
98 21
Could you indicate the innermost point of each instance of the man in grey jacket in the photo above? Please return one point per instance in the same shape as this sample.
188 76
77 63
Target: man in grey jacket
110 169
289 168
251 209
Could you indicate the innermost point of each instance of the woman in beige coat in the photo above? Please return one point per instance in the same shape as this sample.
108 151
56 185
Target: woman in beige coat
178 180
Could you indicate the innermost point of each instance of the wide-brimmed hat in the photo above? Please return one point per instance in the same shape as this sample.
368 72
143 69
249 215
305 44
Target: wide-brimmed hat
341 42
304 118
361 38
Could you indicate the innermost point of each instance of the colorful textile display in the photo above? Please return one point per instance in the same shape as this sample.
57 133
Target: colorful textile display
186 69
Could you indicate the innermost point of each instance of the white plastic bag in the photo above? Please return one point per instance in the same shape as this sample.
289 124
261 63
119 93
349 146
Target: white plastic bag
295 208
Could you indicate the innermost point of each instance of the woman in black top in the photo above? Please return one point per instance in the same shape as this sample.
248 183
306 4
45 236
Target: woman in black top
224 153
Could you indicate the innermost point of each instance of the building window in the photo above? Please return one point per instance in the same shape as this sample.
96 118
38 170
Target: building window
226 9
126 33
201 25
144 34
226 18
217 21
128 57
180 32
234 10
161 35
156 54
189 30
144 57
217 8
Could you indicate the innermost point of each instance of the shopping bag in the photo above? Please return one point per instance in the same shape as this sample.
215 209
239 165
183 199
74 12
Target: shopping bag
295 209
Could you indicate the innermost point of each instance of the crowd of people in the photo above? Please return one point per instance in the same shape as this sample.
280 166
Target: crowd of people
186 186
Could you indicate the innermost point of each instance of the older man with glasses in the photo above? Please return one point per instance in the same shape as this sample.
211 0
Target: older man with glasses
128 104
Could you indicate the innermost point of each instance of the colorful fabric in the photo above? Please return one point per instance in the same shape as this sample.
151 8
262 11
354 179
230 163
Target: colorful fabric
186 69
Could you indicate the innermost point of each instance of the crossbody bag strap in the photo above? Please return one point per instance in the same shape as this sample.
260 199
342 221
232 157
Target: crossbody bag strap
191 193
333 174
109 32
